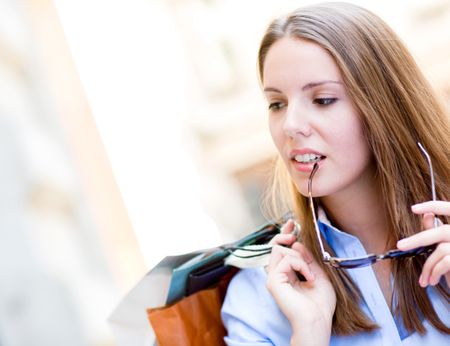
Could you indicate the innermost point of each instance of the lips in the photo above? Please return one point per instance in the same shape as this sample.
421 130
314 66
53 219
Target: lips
304 151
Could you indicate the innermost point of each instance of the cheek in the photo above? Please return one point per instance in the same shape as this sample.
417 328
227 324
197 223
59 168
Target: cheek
276 132
346 134
353 145
356 141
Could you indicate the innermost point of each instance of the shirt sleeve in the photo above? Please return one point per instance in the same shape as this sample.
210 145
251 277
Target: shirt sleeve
244 310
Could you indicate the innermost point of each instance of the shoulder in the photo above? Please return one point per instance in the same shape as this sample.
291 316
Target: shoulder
249 313
248 287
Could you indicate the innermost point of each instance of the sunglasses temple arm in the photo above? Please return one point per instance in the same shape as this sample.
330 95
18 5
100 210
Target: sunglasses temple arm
433 186
325 255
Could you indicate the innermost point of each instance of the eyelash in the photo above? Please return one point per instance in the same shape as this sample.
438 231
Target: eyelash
275 106
325 101
321 101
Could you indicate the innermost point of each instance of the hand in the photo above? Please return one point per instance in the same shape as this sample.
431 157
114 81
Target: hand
438 263
308 305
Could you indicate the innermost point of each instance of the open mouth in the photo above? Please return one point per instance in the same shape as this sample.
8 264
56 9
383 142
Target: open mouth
308 158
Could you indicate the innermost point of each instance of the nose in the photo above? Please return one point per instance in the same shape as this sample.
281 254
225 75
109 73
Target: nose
296 122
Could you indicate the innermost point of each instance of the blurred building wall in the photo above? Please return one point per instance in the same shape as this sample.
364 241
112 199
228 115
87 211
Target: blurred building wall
67 250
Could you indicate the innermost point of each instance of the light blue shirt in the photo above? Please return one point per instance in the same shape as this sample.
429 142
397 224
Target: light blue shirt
252 317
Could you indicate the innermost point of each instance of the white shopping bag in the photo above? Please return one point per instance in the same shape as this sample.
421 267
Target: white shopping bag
129 321
179 277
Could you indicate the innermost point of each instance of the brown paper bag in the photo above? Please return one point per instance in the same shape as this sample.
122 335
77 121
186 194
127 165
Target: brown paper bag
194 320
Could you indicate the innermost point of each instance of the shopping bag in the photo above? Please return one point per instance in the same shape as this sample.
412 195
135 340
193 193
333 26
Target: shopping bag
178 302
193 320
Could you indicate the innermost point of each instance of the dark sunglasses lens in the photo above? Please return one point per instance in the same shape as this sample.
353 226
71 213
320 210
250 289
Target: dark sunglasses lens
409 253
355 262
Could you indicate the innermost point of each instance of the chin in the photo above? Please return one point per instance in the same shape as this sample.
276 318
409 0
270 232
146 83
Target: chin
302 188
318 189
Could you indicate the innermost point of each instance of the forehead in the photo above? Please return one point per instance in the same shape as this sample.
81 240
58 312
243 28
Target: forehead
291 59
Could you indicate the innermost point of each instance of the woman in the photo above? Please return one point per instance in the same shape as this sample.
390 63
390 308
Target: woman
347 108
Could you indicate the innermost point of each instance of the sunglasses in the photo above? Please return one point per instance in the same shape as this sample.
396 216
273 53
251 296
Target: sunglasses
370 259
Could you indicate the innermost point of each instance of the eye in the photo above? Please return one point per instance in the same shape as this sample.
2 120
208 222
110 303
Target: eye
276 106
325 101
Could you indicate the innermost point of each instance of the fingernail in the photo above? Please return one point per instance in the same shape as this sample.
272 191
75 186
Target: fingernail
422 281
417 207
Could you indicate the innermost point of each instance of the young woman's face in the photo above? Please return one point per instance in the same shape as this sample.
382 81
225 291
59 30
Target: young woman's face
312 119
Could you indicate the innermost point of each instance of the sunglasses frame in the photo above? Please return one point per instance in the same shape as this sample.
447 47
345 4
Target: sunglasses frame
369 259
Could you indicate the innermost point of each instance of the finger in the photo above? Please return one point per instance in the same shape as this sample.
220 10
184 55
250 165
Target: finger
282 239
310 259
278 252
289 265
441 251
304 252
275 257
287 251
425 238
436 207
441 268
428 221
288 227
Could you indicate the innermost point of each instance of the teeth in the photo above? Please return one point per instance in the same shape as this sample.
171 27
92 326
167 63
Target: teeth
307 158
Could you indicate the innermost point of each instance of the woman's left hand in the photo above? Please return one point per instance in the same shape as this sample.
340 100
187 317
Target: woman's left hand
438 263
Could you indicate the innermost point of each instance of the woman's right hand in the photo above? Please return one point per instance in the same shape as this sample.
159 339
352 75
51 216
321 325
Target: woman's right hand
308 305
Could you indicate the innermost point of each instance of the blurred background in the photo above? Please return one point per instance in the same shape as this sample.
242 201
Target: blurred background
131 130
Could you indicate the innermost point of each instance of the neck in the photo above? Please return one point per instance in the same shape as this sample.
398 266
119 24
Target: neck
360 213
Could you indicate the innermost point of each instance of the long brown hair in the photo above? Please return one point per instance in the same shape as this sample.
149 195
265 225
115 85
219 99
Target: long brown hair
397 108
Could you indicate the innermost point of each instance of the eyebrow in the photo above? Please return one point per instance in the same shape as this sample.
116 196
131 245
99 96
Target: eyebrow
306 86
